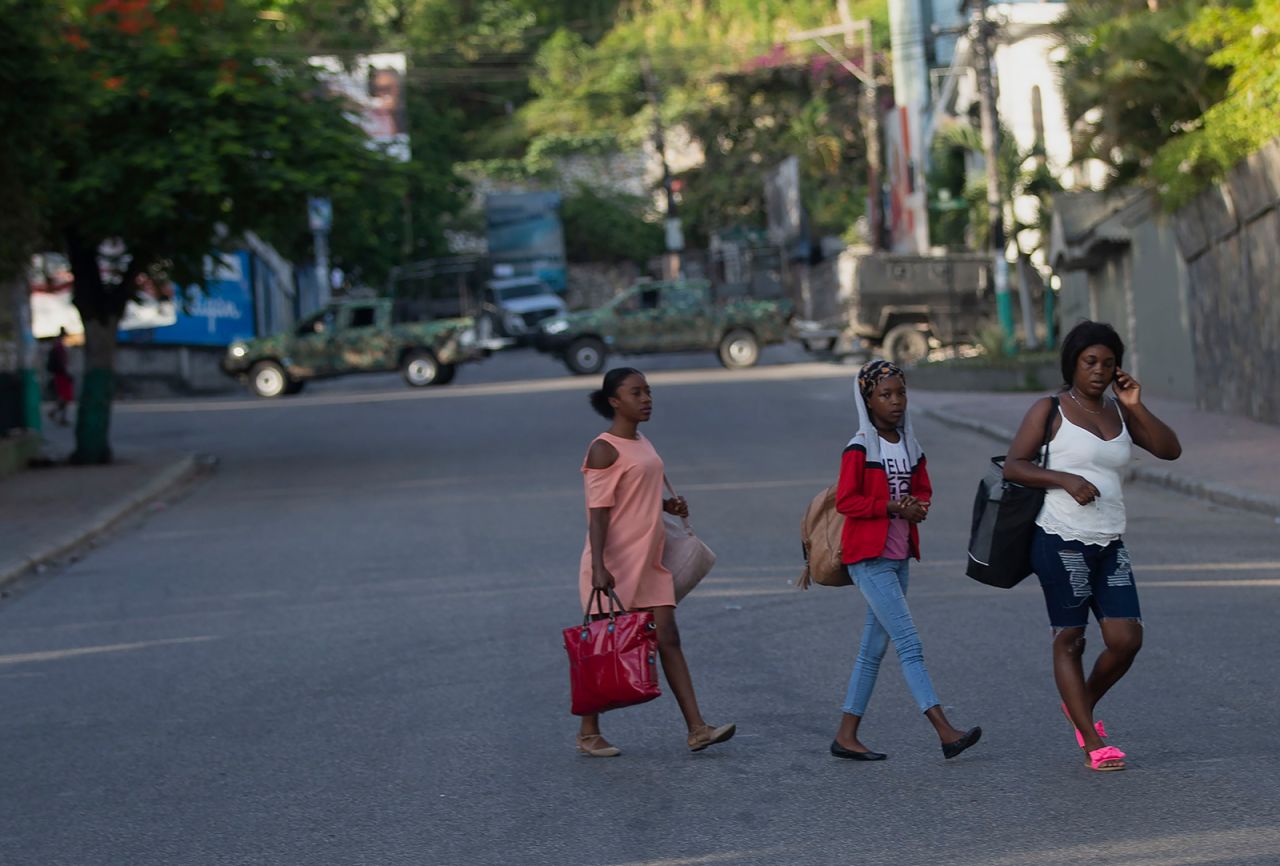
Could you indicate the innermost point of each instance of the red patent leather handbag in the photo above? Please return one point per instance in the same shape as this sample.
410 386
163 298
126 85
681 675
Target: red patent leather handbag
613 661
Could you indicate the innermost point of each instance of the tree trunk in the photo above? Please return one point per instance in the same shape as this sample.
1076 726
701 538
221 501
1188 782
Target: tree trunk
93 416
101 306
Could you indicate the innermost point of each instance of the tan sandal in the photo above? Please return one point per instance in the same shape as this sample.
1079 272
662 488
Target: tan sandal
709 735
605 751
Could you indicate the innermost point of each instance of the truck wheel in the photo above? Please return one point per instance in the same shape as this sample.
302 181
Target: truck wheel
445 374
421 369
739 349
905 344
268 379
585 356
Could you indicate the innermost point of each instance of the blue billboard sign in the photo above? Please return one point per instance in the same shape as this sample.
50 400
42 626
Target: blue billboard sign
525 235
217 315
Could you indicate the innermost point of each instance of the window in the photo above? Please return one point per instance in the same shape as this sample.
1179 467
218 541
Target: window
362 317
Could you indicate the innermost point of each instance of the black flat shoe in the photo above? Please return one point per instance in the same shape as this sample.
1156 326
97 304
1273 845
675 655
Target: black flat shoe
841 752
971 737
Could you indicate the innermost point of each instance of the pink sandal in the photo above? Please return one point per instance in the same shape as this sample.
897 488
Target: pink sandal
1098 757
1097 726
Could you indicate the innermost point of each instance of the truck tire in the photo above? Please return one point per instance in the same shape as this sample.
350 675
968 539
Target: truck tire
905 344
446 374
739 349
268 379
585 355
420 369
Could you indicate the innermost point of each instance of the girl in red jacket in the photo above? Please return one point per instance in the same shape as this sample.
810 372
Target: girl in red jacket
884 495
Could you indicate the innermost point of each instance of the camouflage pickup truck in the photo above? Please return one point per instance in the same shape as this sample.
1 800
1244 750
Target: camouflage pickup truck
677 316
363 336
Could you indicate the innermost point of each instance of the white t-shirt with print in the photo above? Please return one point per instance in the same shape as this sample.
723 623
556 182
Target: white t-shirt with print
897 467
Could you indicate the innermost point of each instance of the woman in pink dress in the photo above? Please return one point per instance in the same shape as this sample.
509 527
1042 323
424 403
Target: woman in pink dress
625 538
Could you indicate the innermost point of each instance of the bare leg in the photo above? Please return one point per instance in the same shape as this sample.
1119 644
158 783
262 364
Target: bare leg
947 733
589 725
847 733
1123 638
675 667
1068 673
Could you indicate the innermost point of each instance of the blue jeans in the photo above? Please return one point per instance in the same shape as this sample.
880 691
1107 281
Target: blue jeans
1078 577
884 584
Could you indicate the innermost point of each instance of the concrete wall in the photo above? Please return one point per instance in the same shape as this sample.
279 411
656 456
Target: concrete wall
1160 354
1136 282
1073 300
148 371
1229 238
1109 295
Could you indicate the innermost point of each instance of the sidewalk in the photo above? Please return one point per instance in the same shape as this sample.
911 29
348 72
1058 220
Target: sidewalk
1226 459
47 513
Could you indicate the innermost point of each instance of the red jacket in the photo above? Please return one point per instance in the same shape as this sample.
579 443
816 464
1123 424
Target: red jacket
862 496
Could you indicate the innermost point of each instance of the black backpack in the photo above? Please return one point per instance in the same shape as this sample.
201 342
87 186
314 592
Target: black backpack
1004 520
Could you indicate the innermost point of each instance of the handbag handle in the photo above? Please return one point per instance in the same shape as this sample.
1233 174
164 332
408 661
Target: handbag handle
597 598
666 482
1048 433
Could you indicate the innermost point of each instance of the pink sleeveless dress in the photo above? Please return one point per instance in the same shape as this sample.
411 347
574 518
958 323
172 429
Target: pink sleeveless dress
632 489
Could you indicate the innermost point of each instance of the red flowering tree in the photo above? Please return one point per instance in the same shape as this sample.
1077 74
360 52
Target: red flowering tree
189 124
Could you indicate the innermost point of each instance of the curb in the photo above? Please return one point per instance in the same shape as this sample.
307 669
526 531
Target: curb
169 479
1207 491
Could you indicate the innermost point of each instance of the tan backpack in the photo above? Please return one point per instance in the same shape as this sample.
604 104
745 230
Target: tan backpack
820 537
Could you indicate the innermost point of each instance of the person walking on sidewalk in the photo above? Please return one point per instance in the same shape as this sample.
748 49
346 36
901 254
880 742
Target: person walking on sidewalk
884 494
61 384
623 477
1078 550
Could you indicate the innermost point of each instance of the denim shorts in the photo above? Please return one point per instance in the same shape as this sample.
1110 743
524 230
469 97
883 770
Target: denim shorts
1078 577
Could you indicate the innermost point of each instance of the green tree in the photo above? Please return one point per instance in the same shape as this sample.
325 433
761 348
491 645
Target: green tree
1245 41
754 120
1131 83
726 75
31 88
605 226
187 128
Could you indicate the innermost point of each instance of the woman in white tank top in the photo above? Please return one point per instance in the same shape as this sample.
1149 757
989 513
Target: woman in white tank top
1078 552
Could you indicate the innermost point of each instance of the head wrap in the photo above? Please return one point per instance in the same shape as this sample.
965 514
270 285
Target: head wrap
876 372
867 436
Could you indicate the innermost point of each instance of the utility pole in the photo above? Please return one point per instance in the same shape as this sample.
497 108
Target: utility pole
868 108
674 233
320 221
869 116
990 149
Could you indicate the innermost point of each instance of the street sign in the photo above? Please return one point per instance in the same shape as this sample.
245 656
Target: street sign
319 214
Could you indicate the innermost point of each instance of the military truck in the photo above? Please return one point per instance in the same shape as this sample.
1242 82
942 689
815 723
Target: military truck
899 306
675 316
357 336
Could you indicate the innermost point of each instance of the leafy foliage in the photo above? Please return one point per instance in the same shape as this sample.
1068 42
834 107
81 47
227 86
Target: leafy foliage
1247 43
1174 96
28 118
1024 178
207 137
750 123
1130 84
604 226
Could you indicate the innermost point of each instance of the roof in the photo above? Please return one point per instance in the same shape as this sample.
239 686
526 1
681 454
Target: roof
1088 226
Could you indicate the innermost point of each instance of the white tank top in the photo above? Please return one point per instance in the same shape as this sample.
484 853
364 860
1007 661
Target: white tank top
1100 461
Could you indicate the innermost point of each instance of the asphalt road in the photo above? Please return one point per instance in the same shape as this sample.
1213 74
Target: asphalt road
344 648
